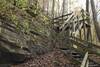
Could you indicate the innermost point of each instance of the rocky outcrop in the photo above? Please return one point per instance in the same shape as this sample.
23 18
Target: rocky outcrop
17 27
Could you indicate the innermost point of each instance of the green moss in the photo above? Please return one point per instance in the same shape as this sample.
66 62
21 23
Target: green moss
14 19
21 18
26 26
23 4
2 5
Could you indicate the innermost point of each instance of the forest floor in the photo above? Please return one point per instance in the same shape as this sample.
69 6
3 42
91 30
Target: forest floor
54 58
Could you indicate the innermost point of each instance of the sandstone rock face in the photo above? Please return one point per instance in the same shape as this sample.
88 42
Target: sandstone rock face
10 45
15 26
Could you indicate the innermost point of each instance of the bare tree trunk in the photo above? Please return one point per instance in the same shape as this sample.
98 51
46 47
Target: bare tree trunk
89 34
63 7
87 6
58 8
63 10
47 7
96 24
43 5
53 8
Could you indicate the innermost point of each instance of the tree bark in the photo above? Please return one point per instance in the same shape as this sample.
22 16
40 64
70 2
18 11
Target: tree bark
96 23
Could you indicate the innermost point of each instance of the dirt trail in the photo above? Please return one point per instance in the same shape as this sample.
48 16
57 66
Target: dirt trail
52 59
